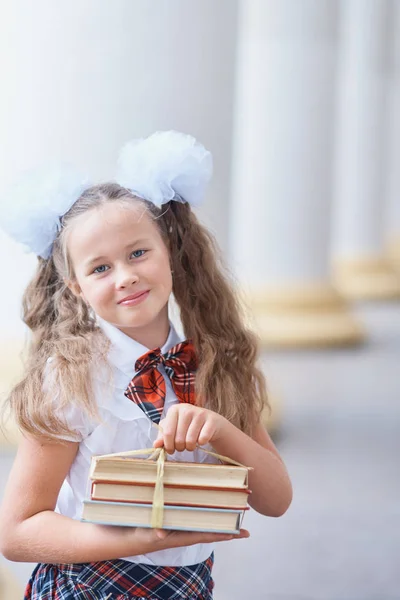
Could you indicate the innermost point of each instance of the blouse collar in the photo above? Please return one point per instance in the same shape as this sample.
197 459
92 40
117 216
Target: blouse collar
125 351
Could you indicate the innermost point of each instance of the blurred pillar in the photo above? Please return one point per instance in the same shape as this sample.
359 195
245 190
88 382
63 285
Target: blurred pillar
283 147
393 137
9 588
361 271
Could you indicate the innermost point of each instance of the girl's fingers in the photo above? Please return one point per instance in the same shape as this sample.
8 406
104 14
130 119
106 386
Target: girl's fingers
206 433
169 430
162 533
192 538
183 428
184 421
193 432
243 533
159 442
189 538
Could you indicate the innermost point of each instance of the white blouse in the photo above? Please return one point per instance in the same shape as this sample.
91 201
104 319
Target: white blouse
124 426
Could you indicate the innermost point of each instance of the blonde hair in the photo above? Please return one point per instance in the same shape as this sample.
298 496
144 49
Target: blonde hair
228 380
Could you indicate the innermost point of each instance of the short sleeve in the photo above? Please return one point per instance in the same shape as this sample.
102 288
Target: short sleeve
77 421
72 416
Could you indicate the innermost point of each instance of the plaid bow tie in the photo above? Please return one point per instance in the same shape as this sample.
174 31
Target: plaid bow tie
147 388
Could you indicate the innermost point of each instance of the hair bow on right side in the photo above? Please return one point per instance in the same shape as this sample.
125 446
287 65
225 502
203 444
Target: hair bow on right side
167 165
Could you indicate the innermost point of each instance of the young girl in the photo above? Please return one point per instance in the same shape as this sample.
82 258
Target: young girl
105 362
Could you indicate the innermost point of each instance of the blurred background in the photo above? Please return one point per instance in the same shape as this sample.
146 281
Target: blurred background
299 102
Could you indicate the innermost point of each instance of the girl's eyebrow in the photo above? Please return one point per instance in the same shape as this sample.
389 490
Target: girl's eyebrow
92 261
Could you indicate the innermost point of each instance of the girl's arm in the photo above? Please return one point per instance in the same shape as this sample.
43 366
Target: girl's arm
269 480
186 425
31 531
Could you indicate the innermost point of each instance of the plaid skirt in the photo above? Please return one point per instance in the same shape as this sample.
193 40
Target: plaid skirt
120 580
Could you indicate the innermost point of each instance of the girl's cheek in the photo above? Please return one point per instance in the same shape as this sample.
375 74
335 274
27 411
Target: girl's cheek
102 290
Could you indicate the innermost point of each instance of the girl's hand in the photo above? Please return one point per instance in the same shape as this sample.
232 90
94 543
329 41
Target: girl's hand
174 539
152 540
186 425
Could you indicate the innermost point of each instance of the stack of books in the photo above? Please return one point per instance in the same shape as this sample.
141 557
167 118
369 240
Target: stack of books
196 497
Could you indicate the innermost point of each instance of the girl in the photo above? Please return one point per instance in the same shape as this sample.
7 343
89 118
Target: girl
105 361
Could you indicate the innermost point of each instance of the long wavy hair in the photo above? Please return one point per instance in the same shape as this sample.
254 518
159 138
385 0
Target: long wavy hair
228 380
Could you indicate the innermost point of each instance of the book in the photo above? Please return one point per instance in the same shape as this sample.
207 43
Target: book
185 518
127 469
173 494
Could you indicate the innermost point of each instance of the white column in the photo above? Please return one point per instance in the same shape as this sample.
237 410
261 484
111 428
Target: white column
360 268
282 171
392 222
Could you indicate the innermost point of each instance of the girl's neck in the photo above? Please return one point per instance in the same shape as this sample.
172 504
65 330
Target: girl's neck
153 335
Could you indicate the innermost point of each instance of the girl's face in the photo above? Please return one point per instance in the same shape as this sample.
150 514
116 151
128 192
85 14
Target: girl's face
122 270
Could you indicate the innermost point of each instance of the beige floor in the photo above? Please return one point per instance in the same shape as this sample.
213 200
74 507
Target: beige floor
340 438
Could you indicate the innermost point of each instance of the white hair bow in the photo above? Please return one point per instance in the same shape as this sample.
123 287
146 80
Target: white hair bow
165 166
30 211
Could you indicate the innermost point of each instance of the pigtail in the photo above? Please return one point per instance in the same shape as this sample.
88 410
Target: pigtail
228 380
61 328
37 303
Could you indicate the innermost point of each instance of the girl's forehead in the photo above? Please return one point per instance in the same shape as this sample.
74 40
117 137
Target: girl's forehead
112 216
108 227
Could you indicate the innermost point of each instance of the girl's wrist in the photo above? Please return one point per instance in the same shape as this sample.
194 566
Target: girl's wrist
222 429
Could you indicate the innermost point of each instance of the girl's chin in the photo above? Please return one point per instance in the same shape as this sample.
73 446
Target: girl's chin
144 320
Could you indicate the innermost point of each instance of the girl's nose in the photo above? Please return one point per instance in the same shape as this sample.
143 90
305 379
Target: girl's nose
125 278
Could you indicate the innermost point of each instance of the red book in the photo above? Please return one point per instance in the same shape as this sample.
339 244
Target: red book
177 495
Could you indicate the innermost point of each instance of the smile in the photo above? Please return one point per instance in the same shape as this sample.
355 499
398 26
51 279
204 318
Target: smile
134 299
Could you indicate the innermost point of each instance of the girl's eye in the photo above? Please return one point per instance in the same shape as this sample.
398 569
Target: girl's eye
101 269
138 253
